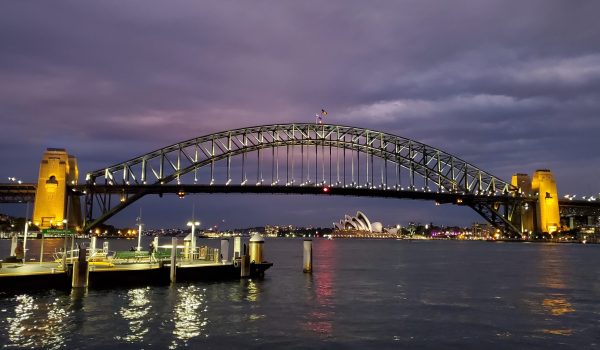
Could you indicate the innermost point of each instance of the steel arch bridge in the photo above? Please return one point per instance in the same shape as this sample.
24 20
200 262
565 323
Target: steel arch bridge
302 158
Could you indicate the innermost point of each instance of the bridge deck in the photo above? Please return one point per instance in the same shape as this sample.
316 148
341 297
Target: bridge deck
17 193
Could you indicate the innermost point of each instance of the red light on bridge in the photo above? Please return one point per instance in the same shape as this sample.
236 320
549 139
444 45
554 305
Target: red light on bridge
325 189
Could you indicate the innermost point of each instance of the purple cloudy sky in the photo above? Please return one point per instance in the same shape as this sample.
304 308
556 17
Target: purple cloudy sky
510 86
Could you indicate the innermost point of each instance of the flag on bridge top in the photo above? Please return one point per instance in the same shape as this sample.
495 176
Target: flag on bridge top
319 116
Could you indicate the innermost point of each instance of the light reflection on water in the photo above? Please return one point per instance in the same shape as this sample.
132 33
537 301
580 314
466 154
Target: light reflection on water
38 323
20 327
48 322
190 315
252 291
252 295
552 277
564 332
557 305
136 311
320 284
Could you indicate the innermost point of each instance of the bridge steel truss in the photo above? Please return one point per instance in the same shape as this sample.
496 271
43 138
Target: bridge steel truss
304 159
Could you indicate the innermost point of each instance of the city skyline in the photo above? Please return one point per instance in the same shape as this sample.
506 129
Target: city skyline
506 86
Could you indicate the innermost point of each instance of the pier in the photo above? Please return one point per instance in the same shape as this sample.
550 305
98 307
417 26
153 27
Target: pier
51 275
19 276
168 264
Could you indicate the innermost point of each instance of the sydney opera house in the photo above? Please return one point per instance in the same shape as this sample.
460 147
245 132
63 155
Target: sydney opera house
360 226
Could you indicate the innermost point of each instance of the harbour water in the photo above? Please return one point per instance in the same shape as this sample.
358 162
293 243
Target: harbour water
384 294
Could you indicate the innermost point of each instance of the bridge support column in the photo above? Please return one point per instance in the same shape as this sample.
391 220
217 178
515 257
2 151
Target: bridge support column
548 216
524 215
57 171
590 220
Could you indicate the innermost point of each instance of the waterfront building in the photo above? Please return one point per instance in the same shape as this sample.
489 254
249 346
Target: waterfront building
360 226
482 231
271 231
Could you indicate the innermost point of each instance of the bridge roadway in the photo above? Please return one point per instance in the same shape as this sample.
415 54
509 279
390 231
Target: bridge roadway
21 193
17 193
183 189
442 198
579 207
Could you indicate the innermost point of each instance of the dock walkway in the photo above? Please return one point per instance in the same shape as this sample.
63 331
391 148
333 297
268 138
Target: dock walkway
19 276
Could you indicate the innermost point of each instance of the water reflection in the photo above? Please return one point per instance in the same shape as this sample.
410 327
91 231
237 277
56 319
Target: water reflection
38 323
565 332
252 294
553 279
252 291
190 315
135 312
20 327
321 291
557 305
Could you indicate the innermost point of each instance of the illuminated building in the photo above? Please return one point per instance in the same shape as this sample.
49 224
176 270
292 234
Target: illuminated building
271 231
482 230
360 226
360 222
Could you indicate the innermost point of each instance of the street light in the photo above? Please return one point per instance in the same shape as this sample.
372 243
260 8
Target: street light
65 246
139 223
193 224
27 223
14 179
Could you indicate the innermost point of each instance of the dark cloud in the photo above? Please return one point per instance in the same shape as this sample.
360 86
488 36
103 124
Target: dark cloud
508 85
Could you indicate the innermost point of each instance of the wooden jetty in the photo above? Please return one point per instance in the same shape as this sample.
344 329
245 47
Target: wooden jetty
136 268
48 275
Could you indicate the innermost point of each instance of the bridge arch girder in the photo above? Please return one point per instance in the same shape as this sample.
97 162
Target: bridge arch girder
170 164
428 162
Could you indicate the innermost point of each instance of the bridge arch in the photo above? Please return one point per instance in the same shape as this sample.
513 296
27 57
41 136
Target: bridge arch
303 157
